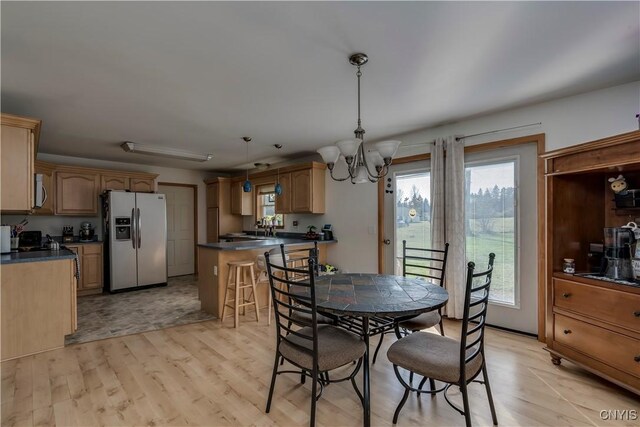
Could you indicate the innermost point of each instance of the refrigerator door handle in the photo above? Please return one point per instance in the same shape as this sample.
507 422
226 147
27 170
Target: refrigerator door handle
139 231
133 228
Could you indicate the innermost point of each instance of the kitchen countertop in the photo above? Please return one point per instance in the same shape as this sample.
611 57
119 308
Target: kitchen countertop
260 243
35 256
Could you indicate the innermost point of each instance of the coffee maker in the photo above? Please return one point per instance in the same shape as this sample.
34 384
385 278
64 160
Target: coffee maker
617 252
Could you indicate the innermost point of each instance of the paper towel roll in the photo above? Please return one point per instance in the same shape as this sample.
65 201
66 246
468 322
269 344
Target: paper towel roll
5 239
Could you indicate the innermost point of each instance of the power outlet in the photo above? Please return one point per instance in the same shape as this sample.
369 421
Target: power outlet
215 270
295 223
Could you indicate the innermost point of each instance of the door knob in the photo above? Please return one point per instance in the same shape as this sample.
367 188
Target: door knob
386 241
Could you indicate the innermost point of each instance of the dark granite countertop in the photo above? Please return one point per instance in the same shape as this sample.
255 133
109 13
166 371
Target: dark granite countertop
35 256
76 240
260 243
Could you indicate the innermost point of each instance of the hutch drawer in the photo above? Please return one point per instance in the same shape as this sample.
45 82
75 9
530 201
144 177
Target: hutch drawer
616 350
609 305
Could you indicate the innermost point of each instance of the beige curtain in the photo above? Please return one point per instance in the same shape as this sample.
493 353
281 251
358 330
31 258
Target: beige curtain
447 216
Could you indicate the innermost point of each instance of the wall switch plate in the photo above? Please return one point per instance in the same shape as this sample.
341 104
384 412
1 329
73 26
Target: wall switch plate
215 270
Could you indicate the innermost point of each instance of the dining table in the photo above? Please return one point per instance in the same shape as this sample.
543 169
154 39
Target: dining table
374 298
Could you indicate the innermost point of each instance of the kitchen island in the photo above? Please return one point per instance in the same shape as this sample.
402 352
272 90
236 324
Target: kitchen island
38 294
213 259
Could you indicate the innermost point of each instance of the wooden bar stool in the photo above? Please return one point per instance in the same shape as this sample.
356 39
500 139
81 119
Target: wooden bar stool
236 281
262 277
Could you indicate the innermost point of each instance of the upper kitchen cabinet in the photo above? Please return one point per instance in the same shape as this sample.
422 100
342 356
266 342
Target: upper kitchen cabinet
213 189
241 202
307 189
143 185
77 192
139 182
48 190
114 182
220 220
18 144
283 201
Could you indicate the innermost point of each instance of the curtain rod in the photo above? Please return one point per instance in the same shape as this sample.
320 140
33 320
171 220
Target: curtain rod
458 138
498 130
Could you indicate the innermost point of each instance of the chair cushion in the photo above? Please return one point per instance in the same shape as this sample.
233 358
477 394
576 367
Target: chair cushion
336 347
432 356
422 321
306 318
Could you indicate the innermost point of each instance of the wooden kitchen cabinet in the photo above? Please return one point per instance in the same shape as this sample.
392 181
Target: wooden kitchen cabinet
113 182
91 267
48 182
591 322
18 144
241 202
307 190
212 195
283 201
38 306
76 193
220 220
142 185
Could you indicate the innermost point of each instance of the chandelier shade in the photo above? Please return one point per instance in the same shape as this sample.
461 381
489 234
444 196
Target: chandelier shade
364 164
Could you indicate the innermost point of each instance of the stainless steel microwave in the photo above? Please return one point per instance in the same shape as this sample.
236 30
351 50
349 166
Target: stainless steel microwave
39 193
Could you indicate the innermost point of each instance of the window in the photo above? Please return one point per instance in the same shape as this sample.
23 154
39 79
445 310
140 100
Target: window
491 222
266 205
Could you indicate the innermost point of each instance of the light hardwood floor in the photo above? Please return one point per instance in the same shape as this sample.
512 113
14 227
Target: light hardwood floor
209 374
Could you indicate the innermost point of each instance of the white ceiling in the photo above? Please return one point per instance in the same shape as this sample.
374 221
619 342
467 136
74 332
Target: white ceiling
199 76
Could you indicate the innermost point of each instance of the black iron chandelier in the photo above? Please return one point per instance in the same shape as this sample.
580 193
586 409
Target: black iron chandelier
360 159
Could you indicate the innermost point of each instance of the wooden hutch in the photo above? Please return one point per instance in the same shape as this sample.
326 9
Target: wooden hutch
591 322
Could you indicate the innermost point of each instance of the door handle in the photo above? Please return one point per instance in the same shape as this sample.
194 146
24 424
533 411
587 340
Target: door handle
133 228
386 241
139 230
567 331
566 295
636 313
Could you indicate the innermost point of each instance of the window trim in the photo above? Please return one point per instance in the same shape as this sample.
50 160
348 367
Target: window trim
516 226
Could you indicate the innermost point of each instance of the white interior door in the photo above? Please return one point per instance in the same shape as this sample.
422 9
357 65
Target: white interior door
180 229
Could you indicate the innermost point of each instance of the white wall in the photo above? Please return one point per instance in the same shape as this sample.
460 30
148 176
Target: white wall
568 121
53 224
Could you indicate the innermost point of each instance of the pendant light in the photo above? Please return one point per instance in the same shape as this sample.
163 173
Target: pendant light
278 189
246 187
364 164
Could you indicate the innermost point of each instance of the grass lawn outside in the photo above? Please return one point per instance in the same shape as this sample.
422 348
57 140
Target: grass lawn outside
499 241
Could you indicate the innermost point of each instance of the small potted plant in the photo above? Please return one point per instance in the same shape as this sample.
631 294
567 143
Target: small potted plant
311 232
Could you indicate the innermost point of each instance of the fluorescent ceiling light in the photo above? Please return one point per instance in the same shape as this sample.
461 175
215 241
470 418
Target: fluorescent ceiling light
134 147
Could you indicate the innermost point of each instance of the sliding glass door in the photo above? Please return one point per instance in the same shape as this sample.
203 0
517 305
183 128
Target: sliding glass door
500 217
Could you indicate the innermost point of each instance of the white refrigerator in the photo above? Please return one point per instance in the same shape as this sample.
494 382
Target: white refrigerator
137 235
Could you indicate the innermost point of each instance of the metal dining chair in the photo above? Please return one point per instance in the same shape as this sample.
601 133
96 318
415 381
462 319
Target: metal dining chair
313 348
429 264
455 362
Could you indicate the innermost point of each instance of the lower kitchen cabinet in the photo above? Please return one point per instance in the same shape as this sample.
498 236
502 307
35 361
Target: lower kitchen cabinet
38 306
91 267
